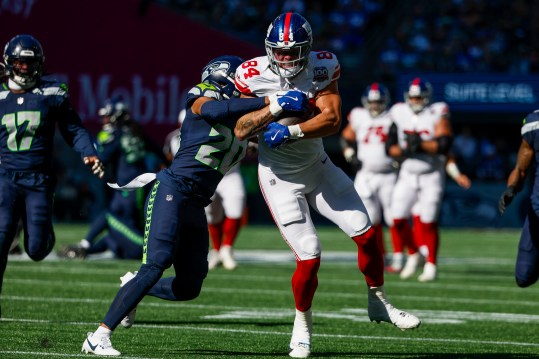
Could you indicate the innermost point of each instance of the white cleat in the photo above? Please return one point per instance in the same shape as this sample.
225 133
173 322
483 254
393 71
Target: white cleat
429 273
213 259
129 319
300 350
380 310
396 263
227 258
413 262
99 346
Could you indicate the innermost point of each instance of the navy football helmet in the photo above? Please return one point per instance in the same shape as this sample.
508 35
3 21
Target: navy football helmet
289 36
417 88
220 72
23 49
116 110
375 98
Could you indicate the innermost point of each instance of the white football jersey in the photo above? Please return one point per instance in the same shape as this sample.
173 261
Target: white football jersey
254 77
371 136
423 123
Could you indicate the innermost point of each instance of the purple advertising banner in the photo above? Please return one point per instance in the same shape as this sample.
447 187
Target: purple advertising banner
101 48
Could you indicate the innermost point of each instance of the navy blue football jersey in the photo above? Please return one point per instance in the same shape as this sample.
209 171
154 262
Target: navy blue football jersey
530 133
28 123
207 150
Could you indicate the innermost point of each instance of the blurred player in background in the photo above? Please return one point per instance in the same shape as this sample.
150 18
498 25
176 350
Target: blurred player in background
172 141
295 172
176 227
527 262
364 142
124 149
31 107
422 135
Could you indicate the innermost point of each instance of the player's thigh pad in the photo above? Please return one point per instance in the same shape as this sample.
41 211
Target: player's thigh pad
430 196
336 198
404 195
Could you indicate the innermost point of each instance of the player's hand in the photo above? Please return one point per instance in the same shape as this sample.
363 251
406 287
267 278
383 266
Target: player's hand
506 198
413 141
289 101
276 134
96 165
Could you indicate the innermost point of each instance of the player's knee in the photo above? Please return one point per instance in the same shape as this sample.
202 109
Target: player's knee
187 289
523 283
357 221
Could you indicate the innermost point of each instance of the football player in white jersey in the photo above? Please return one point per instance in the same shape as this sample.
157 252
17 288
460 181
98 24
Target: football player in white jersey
224 213
295 172
421 134
367 131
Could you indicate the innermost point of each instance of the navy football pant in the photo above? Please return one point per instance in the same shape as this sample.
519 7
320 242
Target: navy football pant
33 201
122 238
527 266
176 234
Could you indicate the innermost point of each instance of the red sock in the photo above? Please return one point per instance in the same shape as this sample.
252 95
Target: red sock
305 282
403 233
419 239
216 233
379 232
432 240
231 227
369 258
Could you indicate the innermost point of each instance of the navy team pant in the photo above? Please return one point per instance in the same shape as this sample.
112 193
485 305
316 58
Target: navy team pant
29 195
527 266
176 234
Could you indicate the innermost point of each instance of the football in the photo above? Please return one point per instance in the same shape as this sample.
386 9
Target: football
289 121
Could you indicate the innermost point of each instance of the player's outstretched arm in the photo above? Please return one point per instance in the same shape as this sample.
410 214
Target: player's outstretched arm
517 175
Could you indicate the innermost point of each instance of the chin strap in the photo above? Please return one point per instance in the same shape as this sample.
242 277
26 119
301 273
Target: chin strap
17 87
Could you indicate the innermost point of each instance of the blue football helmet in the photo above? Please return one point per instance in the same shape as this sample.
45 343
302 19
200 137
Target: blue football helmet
115 110
375 98
220 72
289 33
417 88
23 49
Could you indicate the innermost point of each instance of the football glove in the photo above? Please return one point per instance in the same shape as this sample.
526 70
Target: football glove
290 101
413 141
276 134
506 198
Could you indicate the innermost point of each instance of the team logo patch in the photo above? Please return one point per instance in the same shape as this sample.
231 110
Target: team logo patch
321 73
20 100
169 197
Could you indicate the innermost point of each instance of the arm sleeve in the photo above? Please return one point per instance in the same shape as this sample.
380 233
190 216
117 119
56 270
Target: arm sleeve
228 111
73 131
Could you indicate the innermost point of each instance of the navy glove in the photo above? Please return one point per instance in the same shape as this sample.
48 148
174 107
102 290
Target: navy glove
276 134
506 198
289 101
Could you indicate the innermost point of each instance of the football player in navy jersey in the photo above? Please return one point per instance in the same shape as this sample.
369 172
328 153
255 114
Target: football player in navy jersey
124 148
527 263
31 106
176 231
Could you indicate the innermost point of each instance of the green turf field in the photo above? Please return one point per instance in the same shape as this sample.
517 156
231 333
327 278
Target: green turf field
474 310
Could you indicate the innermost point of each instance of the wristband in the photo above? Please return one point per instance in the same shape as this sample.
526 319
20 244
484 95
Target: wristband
452 170
295 132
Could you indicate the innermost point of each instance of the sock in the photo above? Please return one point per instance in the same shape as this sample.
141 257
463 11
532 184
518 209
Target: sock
379 231
370 259
231 227
430 233
303 324
403 232
305 282
102 331
419 238
216 234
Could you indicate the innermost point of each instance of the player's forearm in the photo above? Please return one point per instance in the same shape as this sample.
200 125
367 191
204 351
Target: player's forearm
251 124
